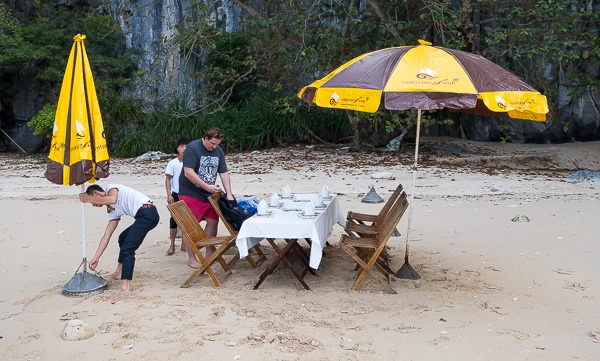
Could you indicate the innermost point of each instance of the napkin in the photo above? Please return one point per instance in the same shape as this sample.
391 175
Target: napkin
274 201
319 201
325 191
261 209
309 209
286 191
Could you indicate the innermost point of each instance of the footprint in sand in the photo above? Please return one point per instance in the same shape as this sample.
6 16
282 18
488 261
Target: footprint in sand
515 333
563 271
576 287
495 309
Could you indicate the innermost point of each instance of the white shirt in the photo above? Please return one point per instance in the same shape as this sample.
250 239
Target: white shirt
129 201
174 168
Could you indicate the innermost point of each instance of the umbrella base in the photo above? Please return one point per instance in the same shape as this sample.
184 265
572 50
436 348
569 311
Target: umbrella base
407 272
84 284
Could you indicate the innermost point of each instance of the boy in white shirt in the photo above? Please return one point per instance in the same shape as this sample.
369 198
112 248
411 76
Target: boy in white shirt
172 173
121 200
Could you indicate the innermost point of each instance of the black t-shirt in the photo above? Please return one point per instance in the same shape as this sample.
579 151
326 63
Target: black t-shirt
206 164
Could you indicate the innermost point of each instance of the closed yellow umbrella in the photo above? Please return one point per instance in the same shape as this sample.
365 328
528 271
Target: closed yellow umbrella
78 152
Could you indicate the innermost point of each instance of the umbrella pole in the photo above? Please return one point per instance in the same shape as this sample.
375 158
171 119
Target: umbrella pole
83 232
406 271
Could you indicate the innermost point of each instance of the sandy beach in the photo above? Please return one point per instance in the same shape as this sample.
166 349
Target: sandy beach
491 288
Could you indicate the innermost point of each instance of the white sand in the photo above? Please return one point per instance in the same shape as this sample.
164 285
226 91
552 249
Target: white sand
491 289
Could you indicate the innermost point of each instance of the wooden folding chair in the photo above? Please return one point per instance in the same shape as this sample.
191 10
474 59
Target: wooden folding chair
214 201
366 251
197 239
356 223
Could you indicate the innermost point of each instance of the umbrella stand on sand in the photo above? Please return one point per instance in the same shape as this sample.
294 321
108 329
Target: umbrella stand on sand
425 77
78 151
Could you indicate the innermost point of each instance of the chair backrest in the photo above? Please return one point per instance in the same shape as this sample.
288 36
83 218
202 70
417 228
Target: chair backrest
186 221
392 218
214 201
388 205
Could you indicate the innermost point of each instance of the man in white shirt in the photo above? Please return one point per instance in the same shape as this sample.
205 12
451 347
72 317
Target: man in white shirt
172 173
121 200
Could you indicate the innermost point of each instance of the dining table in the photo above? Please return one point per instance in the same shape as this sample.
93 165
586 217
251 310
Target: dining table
286 220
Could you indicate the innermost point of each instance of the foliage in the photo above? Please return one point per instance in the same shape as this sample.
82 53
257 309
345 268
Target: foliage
44 121
250 76
249 125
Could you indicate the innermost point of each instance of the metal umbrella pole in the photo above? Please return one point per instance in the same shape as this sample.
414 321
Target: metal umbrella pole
84 283
407 271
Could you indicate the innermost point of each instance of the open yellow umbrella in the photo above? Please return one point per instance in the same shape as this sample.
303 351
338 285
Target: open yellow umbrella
78 152
425 77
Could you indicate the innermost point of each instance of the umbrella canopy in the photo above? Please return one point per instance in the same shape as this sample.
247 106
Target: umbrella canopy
426 77
78 150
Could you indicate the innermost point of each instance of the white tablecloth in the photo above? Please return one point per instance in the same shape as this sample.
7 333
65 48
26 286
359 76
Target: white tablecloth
288 224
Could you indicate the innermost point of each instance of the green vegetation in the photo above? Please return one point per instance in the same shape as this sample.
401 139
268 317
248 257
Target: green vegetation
250 77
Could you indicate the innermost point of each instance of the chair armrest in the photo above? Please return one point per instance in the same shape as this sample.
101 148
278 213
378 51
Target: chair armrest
361 217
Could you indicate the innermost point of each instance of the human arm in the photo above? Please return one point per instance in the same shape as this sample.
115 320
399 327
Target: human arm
110 228
195 178
168 186
226 180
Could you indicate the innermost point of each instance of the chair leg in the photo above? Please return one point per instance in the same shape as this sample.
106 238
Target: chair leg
364 269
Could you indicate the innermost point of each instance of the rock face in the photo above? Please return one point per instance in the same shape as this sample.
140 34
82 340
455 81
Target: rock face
150 25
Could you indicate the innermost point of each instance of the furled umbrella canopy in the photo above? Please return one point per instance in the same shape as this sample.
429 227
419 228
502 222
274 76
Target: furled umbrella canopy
78 150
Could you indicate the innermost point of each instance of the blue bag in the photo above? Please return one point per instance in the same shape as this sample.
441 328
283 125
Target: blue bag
249 204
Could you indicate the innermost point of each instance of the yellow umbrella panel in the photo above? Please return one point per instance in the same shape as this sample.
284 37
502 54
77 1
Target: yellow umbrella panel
78 150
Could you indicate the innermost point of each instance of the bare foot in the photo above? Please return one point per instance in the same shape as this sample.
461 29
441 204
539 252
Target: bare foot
125 285
194 264
115 276
171 250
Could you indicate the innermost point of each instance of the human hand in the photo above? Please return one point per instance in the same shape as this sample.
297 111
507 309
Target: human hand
170 199
212 188
94 264
83 197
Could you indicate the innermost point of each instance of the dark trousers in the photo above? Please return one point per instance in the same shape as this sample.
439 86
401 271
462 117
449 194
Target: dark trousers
133 236
172 224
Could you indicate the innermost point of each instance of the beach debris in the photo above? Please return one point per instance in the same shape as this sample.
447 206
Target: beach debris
595 335
127 347
443 332
520 218
237 357
348 344
345 149
382 175
230 344
443 320
255 152
584 176
154 155
76 330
